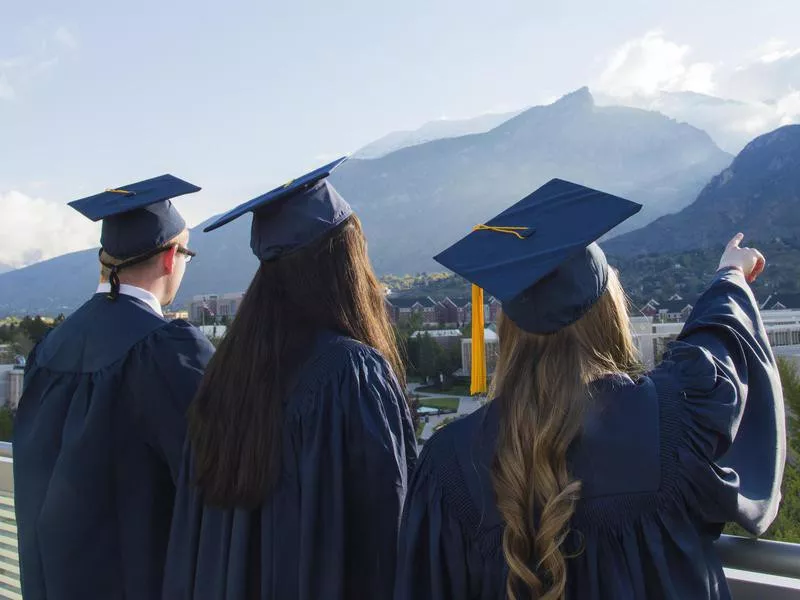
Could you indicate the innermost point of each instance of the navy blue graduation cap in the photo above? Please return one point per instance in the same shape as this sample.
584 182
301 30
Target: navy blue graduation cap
138 219
292 215
539 257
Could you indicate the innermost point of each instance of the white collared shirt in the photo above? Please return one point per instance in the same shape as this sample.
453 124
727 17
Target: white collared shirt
135 292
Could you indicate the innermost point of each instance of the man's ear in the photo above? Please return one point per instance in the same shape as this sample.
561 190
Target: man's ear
168 258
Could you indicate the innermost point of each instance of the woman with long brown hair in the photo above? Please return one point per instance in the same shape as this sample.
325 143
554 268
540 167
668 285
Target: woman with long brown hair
300 438
584 477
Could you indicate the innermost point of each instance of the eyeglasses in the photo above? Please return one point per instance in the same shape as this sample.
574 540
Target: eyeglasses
189 254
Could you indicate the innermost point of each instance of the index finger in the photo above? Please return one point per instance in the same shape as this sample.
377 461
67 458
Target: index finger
735 240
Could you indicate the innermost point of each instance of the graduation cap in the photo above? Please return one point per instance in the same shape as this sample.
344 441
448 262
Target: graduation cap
293 215
539 258
138 219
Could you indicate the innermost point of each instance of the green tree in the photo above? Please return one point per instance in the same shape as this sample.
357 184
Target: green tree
34 327
430 356
22 343
6 424
414 322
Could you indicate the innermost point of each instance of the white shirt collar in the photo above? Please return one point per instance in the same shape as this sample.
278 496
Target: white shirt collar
135 292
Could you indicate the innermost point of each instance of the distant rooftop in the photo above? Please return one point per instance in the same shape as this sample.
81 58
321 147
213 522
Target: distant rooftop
438 333
408 302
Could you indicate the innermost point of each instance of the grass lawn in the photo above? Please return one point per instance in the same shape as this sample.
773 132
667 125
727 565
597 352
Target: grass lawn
457 389
446 403
420 427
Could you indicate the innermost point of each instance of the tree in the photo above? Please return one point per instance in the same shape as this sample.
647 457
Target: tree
414 322
430 356
22 344
6 424
35 328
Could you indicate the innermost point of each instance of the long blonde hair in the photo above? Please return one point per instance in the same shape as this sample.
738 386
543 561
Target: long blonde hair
542 382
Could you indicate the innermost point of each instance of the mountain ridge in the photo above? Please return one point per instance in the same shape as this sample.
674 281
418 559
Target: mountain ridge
759 193
415 201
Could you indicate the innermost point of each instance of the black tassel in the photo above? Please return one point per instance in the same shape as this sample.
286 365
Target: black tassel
113 279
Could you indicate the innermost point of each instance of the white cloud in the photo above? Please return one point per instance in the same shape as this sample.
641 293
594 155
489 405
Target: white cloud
653 63
775 50
33 229
64 37
759 95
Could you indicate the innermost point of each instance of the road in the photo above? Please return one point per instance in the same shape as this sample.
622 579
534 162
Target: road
466 405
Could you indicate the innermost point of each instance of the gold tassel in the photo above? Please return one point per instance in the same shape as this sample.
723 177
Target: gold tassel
478 379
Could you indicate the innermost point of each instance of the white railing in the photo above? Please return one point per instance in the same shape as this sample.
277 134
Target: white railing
756 569
9 559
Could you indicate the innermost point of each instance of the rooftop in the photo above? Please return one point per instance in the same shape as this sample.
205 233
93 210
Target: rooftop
437 333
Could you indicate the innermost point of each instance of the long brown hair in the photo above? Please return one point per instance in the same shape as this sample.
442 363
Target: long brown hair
235 421
542 382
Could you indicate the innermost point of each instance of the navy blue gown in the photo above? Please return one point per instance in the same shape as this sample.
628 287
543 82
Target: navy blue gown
665 461
97 449
329 529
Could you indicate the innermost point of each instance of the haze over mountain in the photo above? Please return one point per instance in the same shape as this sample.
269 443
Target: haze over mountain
730 123
417 200
433 130
758 194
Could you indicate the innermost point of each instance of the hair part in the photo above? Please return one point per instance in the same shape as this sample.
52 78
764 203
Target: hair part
236 418
542 383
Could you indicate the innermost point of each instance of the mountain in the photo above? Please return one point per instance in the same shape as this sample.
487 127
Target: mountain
5 268
730 123
435 130
417 200
759 194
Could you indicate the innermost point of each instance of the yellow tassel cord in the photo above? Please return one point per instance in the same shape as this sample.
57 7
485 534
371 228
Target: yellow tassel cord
478 383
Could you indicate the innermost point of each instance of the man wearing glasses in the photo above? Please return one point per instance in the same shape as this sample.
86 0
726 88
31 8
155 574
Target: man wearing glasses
101 422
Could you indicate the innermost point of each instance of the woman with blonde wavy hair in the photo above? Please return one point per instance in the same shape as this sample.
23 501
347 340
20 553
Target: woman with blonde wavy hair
584 477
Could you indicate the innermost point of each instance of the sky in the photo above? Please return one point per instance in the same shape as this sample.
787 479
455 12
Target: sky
238 96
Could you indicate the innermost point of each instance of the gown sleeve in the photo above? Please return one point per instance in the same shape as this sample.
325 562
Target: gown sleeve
435 557
354 458
167 370
731 421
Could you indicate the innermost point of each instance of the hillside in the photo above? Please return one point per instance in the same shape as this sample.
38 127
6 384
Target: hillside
758 194
417 200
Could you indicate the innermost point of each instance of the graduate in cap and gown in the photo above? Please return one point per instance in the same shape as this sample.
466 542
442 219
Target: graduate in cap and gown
300 438
101 422
584 477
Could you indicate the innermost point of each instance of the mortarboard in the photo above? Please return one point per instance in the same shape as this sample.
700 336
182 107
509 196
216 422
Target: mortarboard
138 219
540 257
292 215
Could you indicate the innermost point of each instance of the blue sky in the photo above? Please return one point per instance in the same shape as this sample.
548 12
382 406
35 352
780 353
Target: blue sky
239 96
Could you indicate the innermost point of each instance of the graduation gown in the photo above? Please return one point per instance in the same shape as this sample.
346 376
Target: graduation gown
329 529
97 449
665 461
